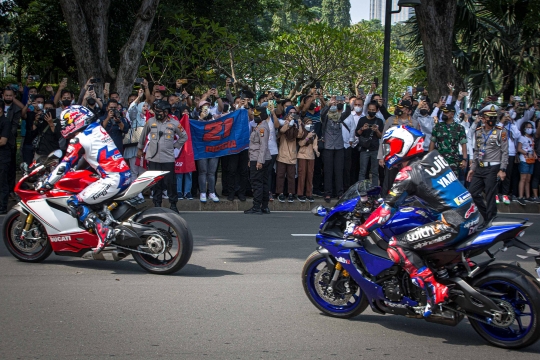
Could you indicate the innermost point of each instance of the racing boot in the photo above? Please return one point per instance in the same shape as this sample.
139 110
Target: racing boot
91 221
104 233
436 293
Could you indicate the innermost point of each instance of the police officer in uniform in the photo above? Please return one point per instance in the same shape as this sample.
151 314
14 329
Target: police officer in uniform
166 135
489 162
259 162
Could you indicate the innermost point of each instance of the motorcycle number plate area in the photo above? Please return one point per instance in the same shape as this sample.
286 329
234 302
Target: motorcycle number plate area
374 264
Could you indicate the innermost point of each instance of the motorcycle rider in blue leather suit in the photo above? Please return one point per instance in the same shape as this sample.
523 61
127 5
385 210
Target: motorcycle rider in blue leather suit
429 178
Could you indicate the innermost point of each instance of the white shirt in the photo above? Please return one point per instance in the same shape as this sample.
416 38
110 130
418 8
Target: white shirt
527 145
347 133
272 143
352 120
513 135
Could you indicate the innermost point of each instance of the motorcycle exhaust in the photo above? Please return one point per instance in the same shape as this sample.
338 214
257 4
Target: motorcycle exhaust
106 255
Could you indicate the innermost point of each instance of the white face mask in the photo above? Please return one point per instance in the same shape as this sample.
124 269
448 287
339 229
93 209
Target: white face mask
357 109
529 131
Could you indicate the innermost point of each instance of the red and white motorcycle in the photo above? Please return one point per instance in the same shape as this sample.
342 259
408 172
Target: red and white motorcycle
159 239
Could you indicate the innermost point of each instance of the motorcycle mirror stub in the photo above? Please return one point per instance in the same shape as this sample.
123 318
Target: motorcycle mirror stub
319 211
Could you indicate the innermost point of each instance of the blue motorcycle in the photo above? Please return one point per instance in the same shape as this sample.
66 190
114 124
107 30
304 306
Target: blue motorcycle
346 275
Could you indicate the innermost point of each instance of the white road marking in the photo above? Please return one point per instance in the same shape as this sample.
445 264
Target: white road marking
310 235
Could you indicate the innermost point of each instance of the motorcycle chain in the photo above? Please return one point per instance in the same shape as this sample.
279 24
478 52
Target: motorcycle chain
168 246
133 250
473 317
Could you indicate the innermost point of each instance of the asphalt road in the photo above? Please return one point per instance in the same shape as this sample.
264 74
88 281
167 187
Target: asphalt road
240 297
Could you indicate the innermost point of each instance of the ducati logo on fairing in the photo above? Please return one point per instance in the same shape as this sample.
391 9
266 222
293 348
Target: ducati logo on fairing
440 165
343 260
60 238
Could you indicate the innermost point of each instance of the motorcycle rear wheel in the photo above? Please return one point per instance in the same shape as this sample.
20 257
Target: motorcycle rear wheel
178 255
346 307
13 224
522 294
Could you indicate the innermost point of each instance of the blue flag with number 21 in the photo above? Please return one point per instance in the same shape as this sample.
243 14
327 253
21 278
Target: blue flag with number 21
225 136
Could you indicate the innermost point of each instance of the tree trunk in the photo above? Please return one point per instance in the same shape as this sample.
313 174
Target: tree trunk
130 54
88 23
436 24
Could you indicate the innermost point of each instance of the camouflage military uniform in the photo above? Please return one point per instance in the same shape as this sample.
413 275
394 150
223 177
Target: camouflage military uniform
447 139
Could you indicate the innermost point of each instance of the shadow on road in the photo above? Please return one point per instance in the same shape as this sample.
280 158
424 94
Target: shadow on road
462 335
130 266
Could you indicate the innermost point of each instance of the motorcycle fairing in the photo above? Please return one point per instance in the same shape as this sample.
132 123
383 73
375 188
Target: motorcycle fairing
340 250
143 181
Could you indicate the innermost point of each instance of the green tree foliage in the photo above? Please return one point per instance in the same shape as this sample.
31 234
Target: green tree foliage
496 46
336 12
36 39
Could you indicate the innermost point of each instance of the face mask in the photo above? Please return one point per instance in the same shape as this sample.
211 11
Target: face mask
257 119
371 113
91 101
423 112
398 112
444 118
66 103
537 114
357 109
529 131
312 106
491 122
40 106
473 117
333 108
8 102
160 116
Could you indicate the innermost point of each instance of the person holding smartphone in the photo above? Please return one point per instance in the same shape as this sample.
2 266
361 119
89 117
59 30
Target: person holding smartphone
369 131
46 131
116 125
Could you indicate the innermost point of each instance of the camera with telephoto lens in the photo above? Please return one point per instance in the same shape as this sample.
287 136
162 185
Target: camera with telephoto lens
116 114
310 128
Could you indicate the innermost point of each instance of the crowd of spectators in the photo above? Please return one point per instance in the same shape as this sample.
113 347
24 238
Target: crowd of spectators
320 143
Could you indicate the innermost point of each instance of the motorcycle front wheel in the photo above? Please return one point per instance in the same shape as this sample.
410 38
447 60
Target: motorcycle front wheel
521 298
22 249
179 243
343 302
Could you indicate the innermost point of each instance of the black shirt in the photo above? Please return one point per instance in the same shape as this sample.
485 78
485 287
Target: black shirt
367 133
49 139
5 132
30 118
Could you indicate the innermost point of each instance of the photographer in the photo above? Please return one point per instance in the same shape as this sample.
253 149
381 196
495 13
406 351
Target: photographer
34 104
369 132
89 97
334 150
286 159
115 124
45 131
